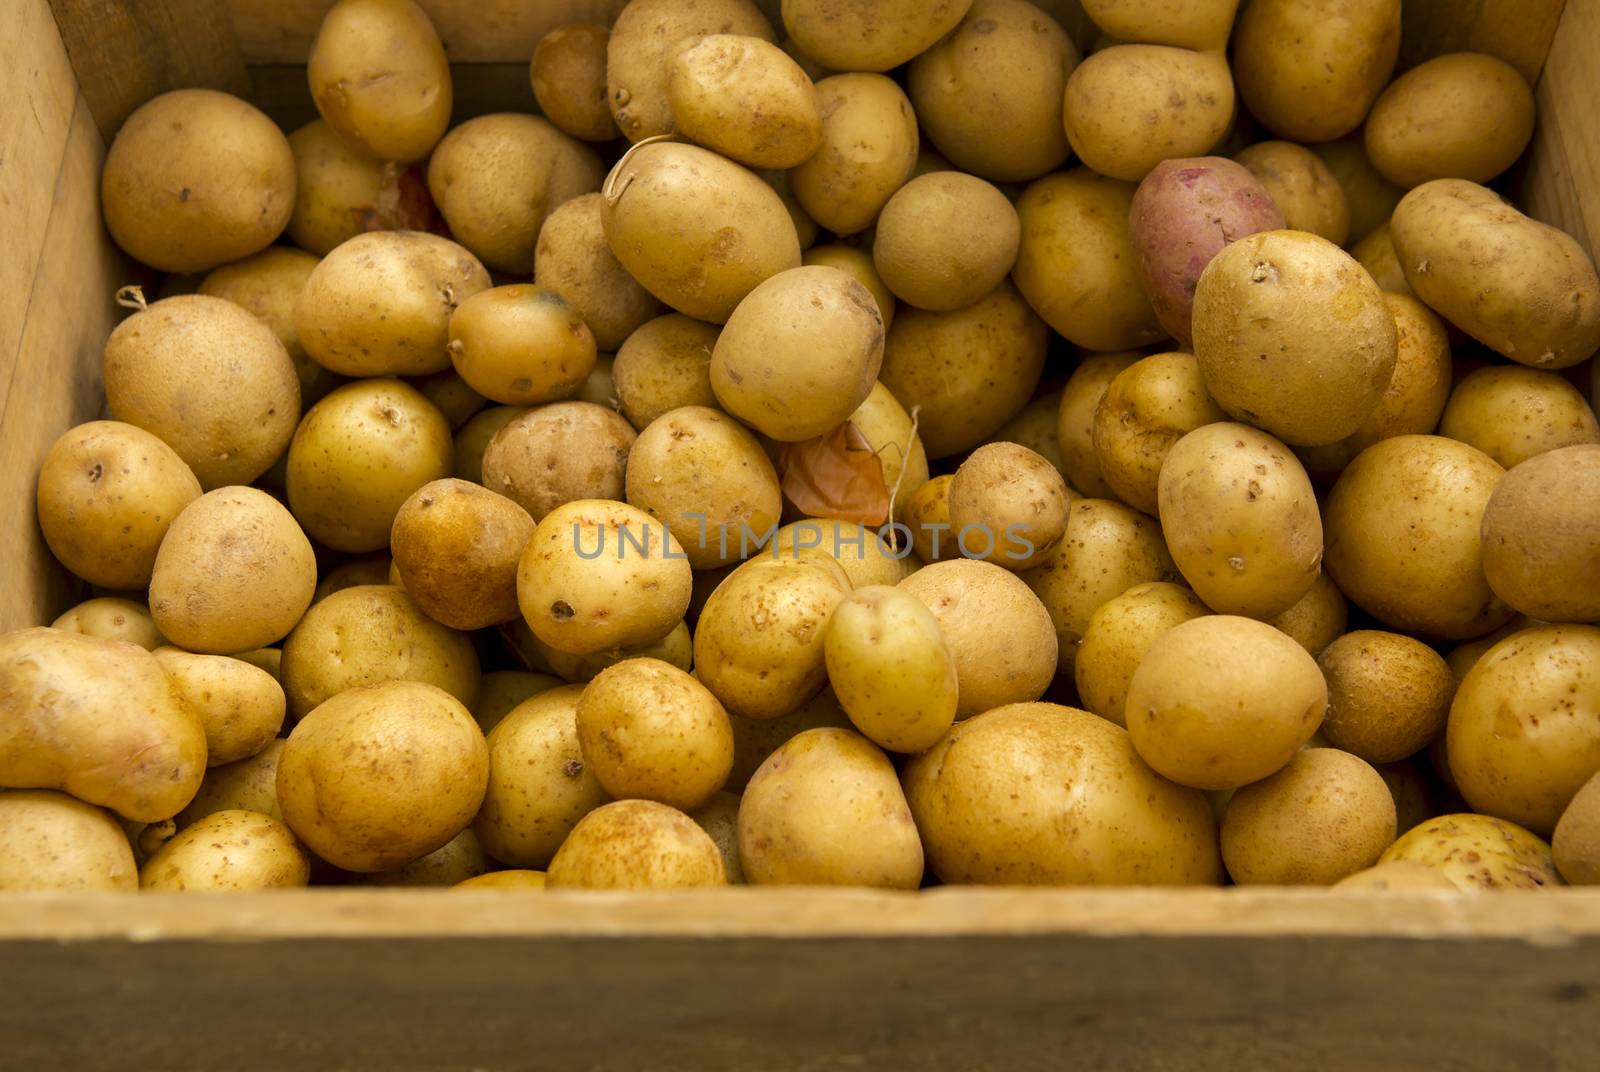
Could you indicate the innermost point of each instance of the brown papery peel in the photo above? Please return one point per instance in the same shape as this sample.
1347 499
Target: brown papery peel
837 475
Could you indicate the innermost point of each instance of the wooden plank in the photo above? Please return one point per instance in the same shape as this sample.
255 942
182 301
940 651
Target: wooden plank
1518 31
1560 182
127 51
281 91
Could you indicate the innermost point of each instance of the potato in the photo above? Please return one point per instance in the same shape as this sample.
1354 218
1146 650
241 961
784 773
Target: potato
1402 530
452 396
945 240
1310 78
568 74
1196 24
758 645
998 632
98 719
456 546
196 178
927 514
240 706
799 354
1008 505
1519 747
268 284
234 573
598 575
1323 817
744 98
637 844
1329 338
113 619
1575 844
1465 115
1080 399
366 569
458 860
1183 214
967 371
557 454
869 145
719 817
521 345
858 263
1147 409
49 841
1240 519
1129 107
1372 197
1075 262
340 192
1317 619
892 434
107 493
675 649
251 784
207 378
380 79
1302 187
1376 254
989 93
1221 701
664 365
573 259
850 35
502 691
380 304
1034 427
890 668
473 438
644 40
358 455
1388 695
228 851
1399 875
1117 636
992 798
1540 551
754 739
1522 288
1478 852
695 229
516 879
1512 413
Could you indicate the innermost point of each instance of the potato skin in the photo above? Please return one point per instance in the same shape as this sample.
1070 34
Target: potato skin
339 191
991 799
1372 197
886 425
509 879
1376 254
1129 107
573 259
1466 115
113 619
380 79
250 784
636 844
1302 187
746 99
457 860
521 345
568 75
1008 505
1478 852
1540 550
456 546
927 513
1119 633
664 364
1576 842
1388 694
1198 24
269 284
850 35
944 240
890 668
50 841
869 146
1080 400
1522 288
1147 409
229 851
1512 413
857 262
241 706
197 178
558 453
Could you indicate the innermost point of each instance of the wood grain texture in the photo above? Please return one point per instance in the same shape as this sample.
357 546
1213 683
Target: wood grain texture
1518 31
1560 180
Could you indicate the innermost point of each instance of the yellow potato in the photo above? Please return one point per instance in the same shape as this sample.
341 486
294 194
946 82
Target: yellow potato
1376 254
865 554
857 262
456 547
557 454
754 739
1398 875
1034 427
521 345
113 619
869 145
1302 186
250 784
380 79
340 192
505 880
675 648
49 841
1477 852
719 817
364 569
1465 115
268 284
568 74
927 514
944 240
1129 107
1372 197
473 438
893 436
1513 413
663 365
573 259
1147 409
637 844
1388 695
890 668
1080 401
458 860
1575 843
868 35
502 691
746 99
1118 635
1008 505
229 851
1318 618
1197 24
241 706
1539 534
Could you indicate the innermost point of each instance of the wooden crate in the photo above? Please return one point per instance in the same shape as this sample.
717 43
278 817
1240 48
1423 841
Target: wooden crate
1010 980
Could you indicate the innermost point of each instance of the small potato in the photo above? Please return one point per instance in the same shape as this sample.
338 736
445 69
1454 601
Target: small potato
695 229
945 240
1080 401
1465 115
858 263
234 573
558 454
450 395
210 380
989 93
1119 633
107 494
663 365
196 178
1522 288
992 798
1541 536
269 284
380 304
1307 77
1323 817
341 192
251 784
598 574
1034 427
368 569
371 634
868 35
637 844
113 619
675 649
380 79
1576 842
521 345
1317 619
1403 536
49 841
502 691
758 645
1129 107
1522 737
1513 413
1147 409
1464 657
967 371
869 145
573 259
719 817
568 74
1008 505
1477 852
358 455
927 514
456 861
1182 215
516 879
473 438
1399 875
1107 549
865 554
240 706
1075 262
890 668
1240 519
826 809
1329 338
754 739
998 632
805 228
456 546
1376 254
643 41
229 851
650 731
99 719
746 99
1222 701
1388 695
1302 187
1196 24
1372 197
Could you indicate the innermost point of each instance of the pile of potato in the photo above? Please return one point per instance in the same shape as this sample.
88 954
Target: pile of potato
877 446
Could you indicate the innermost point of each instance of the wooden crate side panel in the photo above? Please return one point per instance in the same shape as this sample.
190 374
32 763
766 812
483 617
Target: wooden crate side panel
1561 179
1518 31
